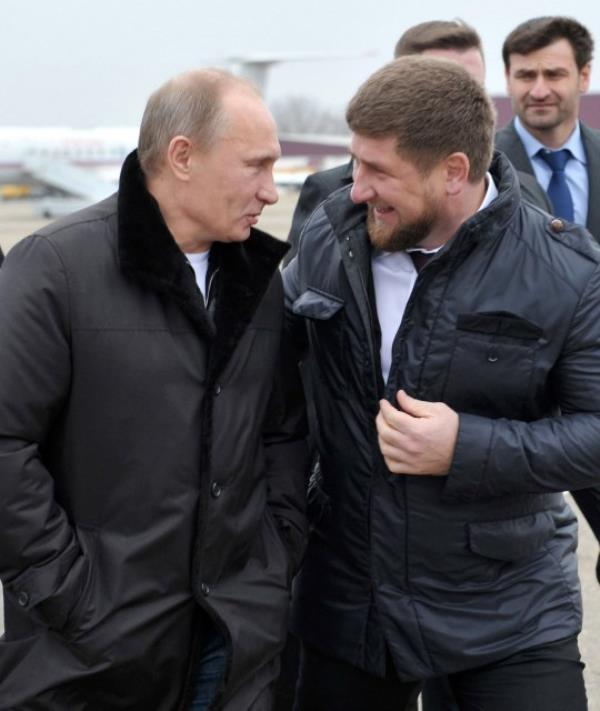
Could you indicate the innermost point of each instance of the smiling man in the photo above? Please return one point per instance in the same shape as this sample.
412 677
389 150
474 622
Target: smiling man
152 462
450 335
448 39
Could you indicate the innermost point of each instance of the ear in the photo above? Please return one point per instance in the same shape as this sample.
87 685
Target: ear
457 167
507 79
584 78
179 157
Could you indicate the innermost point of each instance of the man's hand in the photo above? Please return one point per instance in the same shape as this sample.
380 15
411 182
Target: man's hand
419 438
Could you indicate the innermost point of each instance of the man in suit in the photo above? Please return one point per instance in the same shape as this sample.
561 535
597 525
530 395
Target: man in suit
454 40
547 62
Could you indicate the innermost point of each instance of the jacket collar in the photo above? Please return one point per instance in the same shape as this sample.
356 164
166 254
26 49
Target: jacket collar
149 255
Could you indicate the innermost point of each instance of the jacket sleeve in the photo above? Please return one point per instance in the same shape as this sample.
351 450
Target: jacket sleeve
504 457
284 437
41 564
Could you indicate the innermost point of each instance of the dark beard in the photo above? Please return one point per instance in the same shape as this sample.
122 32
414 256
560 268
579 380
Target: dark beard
389 240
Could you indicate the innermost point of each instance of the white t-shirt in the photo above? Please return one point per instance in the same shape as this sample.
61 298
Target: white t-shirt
199 263
394 276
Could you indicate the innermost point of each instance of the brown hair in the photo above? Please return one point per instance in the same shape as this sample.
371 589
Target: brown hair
541 31
432 107
188 105
438 34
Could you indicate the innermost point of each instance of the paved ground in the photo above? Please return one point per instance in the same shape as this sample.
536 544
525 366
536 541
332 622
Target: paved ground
18 220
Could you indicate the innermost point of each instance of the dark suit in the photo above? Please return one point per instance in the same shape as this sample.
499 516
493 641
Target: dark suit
508 141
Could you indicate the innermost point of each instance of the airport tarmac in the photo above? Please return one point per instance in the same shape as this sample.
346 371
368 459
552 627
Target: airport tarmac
17 220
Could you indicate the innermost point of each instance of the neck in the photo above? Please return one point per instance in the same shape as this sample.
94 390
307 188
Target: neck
459 209
183 229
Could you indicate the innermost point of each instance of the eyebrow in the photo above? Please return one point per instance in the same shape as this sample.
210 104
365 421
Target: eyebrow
368 163
533 71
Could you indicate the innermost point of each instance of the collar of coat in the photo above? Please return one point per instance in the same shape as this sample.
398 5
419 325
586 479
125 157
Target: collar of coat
149 255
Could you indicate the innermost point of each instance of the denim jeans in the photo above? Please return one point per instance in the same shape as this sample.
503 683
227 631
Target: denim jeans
211 668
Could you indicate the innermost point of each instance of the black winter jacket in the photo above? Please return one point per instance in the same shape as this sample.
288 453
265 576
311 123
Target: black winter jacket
502 325
151 462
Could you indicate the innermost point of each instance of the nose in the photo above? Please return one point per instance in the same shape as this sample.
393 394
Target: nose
268 191
361 191
539 90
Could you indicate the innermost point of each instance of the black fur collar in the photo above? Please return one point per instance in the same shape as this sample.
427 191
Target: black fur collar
149 255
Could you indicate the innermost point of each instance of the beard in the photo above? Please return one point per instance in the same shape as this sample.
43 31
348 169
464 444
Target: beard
397 238
558 114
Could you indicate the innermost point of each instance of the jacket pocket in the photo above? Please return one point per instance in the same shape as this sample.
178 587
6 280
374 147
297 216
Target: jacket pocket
492 364
51 594
512 540
316 304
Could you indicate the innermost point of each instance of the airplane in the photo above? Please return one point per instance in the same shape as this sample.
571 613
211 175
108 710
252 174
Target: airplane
76 167
82 164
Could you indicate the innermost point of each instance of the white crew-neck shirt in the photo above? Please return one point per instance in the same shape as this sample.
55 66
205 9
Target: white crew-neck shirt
199 263
394 276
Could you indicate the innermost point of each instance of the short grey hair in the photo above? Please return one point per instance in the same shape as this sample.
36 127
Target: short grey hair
190 105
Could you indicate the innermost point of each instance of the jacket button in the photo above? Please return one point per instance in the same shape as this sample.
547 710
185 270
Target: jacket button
23 599
205 589
217 389
557 225
215 490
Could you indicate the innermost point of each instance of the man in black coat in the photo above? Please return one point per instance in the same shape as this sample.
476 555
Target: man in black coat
152 453
450 336
548 65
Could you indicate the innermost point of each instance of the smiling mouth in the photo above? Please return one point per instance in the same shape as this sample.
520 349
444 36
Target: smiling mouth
382 210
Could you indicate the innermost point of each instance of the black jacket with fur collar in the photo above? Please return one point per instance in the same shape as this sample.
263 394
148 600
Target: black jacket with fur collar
150 456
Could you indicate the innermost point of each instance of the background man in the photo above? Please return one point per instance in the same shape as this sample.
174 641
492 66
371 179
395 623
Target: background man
453 40
548 65
151 462
440 541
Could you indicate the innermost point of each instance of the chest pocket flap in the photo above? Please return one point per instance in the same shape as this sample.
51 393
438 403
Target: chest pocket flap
317 304
499 323
512 539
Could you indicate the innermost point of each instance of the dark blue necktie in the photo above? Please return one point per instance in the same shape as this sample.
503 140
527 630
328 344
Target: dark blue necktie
558 190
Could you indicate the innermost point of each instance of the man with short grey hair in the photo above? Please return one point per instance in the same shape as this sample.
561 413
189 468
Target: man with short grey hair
152 453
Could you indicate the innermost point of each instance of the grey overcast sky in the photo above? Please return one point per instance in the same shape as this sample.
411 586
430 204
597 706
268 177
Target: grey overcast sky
93 62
